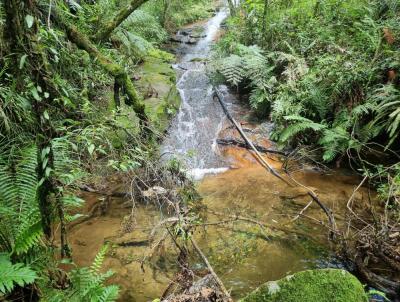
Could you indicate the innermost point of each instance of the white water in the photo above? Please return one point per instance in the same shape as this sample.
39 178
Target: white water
192 136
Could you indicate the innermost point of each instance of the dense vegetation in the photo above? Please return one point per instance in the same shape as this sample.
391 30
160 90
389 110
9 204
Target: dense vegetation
326 73
72 109
69 108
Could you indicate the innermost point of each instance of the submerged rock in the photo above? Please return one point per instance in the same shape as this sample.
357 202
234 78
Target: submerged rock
324 285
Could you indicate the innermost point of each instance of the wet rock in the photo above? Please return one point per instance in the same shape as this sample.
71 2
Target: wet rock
198 36
185 32
325 285
192 41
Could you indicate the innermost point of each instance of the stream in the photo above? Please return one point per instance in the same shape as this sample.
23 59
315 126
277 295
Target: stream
231 181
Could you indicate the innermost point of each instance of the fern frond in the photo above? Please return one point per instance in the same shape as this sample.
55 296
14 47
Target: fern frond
8 189
110 294
232 69
11 274
26 177
28 237
300 124
98 260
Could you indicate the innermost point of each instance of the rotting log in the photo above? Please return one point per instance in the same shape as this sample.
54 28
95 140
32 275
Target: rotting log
107 29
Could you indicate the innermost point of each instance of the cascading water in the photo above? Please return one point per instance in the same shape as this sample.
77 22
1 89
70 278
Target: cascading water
192 136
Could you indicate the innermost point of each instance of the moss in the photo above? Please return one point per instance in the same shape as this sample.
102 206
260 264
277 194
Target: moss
326 285
157 85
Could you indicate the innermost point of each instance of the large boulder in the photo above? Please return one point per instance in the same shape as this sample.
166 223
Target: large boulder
324 285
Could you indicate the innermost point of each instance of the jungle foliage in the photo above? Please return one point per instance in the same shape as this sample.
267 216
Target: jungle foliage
326 73
69 107
324 67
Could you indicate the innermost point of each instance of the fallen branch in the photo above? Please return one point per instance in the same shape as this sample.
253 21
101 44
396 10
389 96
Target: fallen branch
207 263
107 29
258 156
302 211
252 221
241 144
268 167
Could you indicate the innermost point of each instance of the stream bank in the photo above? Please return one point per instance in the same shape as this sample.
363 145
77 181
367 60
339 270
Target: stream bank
236 249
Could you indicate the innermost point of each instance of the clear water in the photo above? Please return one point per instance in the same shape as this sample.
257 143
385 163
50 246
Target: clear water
192 136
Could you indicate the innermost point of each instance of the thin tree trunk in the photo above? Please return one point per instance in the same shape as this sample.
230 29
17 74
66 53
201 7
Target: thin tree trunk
107 29
232 7
21 40
264 20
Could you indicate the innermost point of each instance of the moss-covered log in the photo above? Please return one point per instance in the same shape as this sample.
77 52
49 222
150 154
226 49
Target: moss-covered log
115 70
105 32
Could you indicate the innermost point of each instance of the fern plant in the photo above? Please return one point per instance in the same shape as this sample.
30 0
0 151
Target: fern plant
87 284
20 219
19 210
387 100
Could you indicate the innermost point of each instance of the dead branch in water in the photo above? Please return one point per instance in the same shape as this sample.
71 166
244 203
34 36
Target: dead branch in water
258 156
238 143
207 263
268 167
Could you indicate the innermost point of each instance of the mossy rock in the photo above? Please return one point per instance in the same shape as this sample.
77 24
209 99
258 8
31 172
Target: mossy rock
325 285
157 85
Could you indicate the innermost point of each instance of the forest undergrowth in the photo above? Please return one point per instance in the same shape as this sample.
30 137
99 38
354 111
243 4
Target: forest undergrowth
326 73
71 114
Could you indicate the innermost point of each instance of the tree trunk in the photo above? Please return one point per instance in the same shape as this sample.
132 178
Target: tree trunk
121 77
264 20
105 32
21 39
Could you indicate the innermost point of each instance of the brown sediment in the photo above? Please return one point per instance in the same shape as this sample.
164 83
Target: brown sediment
236 250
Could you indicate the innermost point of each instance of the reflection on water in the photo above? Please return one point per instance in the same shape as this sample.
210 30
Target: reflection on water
243 254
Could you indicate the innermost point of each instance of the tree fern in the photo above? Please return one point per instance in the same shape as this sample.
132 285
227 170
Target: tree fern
134 45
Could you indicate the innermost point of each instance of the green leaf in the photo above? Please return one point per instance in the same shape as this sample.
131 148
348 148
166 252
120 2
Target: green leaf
29 20
46 115
11 274
28 237
35 94
22 61
48 171
91 149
